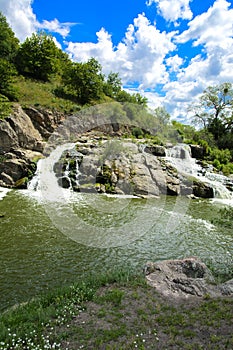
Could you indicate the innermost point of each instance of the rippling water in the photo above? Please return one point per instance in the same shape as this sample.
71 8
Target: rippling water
38 254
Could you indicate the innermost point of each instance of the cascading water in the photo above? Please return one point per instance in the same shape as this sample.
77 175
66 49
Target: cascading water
45 180
180 157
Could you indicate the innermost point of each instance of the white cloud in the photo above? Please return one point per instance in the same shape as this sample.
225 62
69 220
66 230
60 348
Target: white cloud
172 10
174 63
211 28
147 58
20 16
139 57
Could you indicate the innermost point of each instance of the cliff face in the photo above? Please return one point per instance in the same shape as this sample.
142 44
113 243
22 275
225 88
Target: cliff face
22 139
117 167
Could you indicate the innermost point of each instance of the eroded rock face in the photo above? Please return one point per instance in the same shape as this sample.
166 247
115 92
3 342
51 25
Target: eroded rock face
184 278
21 142
123 167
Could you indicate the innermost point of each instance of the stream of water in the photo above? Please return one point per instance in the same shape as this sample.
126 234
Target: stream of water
43 246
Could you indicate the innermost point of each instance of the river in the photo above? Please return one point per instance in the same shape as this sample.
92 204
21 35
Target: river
41 249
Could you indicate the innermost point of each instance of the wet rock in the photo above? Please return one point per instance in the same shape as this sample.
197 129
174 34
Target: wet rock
156 150
203 190
197 151
64 182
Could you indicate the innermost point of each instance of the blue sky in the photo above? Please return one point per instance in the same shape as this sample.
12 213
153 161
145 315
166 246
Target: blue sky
168 50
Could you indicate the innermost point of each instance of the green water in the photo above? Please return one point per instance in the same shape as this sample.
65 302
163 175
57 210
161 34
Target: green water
36 255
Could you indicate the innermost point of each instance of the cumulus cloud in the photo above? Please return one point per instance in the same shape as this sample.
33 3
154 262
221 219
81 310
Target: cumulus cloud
211 28
20 16
213 31
139 57
147 58
172 10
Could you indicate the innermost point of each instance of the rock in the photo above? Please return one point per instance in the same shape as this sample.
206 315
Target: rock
197 151
44 121
203 190
6 180
64 182
227 288
184 278
14 168
156 150
8 137
28 137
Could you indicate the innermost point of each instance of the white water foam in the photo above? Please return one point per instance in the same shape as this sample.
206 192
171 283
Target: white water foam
179 156
3 192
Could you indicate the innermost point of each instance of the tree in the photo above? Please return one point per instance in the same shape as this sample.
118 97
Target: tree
38 57
214 110
7 72
124 96
8 42
113 85
83 81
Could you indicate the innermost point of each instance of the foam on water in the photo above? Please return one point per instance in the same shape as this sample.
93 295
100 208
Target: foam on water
3 192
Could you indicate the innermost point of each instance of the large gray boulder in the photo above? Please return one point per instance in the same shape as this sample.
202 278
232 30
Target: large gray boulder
8 137
28 137
184 278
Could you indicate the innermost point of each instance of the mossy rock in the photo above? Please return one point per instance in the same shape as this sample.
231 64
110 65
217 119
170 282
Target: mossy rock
21 183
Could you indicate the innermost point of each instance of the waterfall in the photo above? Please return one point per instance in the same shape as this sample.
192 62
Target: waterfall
179 156
45 182
34 183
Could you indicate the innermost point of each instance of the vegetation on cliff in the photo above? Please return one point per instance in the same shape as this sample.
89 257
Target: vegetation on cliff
38 73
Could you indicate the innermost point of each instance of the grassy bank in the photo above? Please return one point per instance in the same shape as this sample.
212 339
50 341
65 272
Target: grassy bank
116 311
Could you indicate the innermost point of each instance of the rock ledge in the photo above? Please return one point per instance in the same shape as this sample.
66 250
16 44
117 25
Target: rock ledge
184 279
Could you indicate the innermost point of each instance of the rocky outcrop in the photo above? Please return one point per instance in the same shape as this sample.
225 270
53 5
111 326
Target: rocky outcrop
197 151
123 167
44 121
22 137
184 279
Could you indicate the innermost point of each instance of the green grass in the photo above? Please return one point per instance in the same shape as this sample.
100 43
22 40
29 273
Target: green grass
39 94
116 310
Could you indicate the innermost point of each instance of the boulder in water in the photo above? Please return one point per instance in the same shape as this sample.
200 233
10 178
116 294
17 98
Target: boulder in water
202 189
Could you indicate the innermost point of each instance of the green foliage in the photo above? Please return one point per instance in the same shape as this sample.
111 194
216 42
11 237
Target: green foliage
214 112
83 82
124 96
39 57
227 169
137 132
113 85
8 42
7 72
5 107
223 156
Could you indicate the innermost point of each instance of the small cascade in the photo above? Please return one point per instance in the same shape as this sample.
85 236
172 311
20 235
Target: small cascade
34 183
181 151
45 180
180 157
